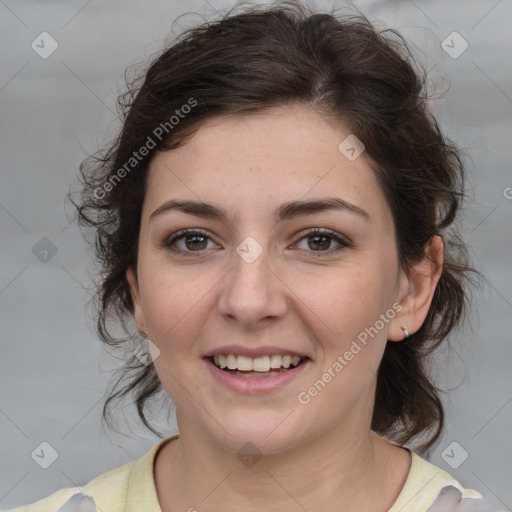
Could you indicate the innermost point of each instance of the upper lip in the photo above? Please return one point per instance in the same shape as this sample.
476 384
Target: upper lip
253 352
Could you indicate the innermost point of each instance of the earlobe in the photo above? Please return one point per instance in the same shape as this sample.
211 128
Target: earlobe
138 313
416 291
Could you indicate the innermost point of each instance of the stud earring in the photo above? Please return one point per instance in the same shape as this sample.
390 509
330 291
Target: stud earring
406 332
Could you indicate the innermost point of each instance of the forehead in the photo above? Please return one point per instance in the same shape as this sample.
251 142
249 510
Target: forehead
253 163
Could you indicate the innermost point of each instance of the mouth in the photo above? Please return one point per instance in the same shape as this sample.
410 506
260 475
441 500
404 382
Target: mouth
263 366
259 380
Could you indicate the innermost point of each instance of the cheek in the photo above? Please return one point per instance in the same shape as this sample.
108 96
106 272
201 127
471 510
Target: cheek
172 305
342 314
342 309
345 300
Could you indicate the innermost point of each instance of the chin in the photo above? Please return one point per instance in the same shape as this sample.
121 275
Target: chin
254 434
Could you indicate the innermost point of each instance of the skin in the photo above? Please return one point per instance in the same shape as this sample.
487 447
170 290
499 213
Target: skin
314 456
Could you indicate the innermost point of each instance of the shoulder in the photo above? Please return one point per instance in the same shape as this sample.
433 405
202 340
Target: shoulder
106 492
429 488
130 486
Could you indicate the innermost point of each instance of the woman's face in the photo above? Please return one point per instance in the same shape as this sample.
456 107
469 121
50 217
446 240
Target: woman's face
255 282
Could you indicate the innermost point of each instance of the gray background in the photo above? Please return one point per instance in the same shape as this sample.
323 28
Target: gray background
54 370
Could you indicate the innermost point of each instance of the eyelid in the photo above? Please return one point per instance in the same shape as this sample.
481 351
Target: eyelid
343 241
183 233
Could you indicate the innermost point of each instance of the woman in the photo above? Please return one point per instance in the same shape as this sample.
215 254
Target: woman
276 216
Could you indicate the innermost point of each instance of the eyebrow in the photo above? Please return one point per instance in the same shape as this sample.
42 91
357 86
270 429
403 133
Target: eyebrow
284 212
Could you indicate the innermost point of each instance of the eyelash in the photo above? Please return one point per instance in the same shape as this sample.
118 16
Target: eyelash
313 232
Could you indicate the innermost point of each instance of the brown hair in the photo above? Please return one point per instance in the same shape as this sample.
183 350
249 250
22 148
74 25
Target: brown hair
346 69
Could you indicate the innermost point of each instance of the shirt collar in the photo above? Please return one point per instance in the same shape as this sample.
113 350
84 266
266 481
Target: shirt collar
141 494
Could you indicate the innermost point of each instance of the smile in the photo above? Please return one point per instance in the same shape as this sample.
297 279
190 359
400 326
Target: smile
262 365
266 373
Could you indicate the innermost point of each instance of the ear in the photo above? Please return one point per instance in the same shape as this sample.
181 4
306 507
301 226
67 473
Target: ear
416 289
138 313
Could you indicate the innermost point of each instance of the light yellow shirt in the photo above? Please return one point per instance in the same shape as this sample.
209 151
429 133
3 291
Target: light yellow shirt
131 488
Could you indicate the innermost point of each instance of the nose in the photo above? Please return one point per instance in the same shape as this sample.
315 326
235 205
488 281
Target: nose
253 291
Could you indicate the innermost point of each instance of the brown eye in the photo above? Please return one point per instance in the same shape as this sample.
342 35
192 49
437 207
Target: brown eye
187 241
195 241
320 240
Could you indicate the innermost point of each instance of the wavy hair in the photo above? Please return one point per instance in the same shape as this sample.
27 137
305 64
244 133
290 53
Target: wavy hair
256 58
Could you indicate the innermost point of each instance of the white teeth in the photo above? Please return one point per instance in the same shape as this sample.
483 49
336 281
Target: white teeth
231 361
257 364
261 364
244 363
275 361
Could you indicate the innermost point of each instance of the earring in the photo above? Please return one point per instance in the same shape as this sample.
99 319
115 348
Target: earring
406 332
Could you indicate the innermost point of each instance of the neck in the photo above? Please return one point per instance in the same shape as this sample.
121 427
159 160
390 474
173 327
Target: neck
350 466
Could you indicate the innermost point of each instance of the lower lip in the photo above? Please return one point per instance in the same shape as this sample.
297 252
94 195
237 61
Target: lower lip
254 385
